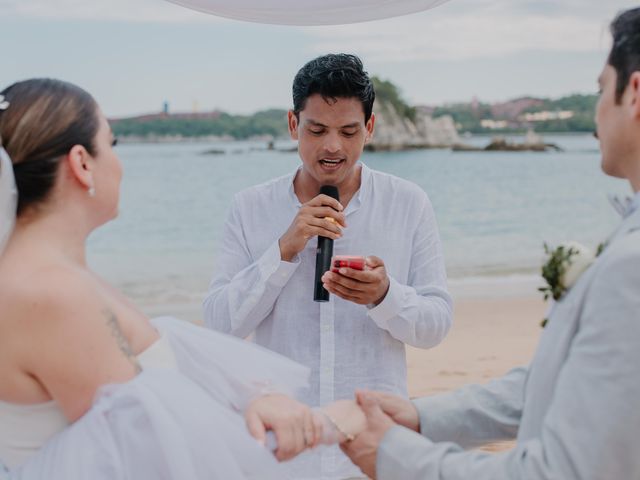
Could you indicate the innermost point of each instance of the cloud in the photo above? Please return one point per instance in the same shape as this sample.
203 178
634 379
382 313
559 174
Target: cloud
136 11
470 29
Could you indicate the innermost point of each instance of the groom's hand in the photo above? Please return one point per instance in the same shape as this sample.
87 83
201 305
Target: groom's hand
363 451
292 422
364 287
401 410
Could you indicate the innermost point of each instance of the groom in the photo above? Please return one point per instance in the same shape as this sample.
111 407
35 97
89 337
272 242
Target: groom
575 411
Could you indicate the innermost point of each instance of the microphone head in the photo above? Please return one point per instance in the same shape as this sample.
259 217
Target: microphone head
331 191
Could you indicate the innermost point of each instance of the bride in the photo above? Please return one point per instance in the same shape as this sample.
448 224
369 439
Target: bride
90 387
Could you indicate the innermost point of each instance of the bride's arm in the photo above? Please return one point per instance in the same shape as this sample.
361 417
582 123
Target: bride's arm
297 427
342 421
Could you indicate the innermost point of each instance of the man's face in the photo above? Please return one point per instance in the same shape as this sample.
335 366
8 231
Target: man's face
331 137
614 126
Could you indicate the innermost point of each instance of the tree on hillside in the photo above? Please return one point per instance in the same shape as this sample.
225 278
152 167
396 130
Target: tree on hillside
387 92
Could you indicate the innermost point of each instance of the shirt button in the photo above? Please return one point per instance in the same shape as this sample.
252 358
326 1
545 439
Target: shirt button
326 328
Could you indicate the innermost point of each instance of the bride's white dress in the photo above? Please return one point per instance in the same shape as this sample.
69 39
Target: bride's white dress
174 423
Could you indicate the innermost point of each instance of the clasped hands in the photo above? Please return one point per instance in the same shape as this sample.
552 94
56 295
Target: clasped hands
382 412
298 427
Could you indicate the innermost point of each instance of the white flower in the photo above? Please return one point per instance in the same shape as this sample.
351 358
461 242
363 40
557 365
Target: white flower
580 259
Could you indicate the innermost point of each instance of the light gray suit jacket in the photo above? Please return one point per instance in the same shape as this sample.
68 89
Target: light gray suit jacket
575 411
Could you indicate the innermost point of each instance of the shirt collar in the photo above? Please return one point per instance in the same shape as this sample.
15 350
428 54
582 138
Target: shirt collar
356 201
362 192
633 205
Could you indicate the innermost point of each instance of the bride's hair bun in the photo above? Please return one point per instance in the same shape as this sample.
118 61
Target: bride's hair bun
43 120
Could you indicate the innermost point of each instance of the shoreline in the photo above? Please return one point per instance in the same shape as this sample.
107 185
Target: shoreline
157 300
496 327
154 139
490 335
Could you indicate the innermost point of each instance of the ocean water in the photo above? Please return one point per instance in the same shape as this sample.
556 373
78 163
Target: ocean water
495 210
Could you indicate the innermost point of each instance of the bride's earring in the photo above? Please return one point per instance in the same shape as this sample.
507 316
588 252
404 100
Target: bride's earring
91 191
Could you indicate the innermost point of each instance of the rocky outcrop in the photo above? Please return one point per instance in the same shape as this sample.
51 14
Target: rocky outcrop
532 143
396 132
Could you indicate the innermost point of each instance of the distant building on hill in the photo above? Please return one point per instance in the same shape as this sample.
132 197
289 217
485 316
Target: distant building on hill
213 115
514 108
546 115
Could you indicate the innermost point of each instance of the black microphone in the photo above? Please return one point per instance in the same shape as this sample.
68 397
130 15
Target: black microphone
324 253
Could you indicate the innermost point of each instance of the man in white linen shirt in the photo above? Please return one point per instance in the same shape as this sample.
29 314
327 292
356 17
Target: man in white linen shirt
264 279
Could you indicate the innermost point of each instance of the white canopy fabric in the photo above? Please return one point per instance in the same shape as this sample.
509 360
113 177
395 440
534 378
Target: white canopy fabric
309 12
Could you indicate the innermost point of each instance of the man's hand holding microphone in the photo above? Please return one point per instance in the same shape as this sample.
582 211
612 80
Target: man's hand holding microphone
323 217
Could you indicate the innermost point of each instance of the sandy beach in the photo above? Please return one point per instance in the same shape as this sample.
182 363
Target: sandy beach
488 338
496 327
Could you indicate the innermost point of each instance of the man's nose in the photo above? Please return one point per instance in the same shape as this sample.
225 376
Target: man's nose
332 143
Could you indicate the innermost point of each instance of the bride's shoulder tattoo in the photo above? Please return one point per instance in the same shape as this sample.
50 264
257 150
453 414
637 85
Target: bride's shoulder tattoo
123 344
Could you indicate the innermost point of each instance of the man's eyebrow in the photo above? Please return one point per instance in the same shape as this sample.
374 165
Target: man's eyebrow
315 124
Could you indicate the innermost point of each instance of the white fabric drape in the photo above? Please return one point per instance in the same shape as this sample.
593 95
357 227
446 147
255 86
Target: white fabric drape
309 12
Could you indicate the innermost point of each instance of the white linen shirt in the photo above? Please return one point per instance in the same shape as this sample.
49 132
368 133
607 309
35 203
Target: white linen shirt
346 346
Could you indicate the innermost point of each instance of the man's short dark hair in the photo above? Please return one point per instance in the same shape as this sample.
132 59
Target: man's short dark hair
625 52
334 76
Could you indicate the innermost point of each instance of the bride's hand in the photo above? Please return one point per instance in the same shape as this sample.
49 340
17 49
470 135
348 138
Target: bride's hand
293 423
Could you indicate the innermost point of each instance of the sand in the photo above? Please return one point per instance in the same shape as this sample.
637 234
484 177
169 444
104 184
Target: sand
488 338
491 334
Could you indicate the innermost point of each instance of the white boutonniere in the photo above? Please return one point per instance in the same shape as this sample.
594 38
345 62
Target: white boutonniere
565 264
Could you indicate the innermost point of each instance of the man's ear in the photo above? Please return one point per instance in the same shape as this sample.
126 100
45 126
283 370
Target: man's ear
370 127
634 92
80 166
292 120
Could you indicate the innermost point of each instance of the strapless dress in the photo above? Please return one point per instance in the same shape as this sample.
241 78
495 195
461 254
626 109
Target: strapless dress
180 418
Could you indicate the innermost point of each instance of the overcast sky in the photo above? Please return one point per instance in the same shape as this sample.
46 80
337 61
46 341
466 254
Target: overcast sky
135 54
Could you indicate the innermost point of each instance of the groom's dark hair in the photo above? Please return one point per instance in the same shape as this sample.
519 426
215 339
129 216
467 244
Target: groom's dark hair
334 76
625 52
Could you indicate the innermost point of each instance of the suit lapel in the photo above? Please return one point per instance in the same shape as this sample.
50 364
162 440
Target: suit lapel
628 225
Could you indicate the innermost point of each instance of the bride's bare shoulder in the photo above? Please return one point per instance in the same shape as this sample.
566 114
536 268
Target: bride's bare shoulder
45 294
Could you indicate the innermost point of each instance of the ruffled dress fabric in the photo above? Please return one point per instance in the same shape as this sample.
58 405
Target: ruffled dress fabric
177 424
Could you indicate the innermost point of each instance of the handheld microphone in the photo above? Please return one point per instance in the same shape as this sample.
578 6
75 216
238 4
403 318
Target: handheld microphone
324 253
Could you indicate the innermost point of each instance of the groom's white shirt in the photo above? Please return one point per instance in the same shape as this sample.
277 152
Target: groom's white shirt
575 411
